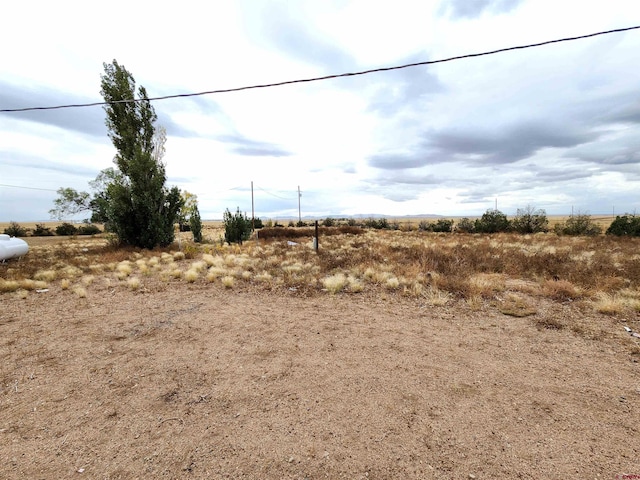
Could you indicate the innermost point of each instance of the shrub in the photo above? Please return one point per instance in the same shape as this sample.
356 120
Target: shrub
15 230
465 226
300 223
442 225
42 231
492 221
529 220
257 223
237 227
291 224
66 229
88 229
329 222
579 224
625 225
195 223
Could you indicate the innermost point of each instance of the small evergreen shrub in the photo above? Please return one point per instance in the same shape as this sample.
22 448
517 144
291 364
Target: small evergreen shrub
195 223
492 221
465 226
15 230
88 229
42 231
625 225
237 227
66 229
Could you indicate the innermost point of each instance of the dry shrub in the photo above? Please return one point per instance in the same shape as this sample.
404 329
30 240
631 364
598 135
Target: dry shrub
549 323
133 283
516 306
436 297
608 304
560 290
228 281
335 283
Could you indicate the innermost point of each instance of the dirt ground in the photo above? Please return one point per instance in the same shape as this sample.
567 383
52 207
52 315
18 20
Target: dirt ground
194 381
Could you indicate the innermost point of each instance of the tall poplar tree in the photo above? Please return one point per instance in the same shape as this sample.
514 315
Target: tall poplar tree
141 210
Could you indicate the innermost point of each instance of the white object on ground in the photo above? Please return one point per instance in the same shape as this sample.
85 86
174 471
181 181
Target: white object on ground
11 247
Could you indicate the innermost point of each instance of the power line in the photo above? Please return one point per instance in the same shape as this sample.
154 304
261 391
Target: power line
273 194
328 77
28 188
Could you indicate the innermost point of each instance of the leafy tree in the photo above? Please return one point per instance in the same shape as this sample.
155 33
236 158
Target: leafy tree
140 209
625 225
189 201
196 224
70 202
15 230
578 224
465 226
530 220
237 227
492 221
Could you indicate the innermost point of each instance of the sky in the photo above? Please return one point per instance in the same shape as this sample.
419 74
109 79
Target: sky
555 127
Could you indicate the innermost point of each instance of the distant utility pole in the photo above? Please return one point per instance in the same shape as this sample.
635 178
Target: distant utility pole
496 204
253 212
299 211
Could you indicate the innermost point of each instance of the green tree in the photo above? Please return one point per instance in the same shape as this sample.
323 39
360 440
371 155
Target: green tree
492 221
140 209
195 223
530 220
237 227
625 225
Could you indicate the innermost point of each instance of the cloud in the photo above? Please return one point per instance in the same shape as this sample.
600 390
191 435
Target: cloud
295 38
405 88
86 120
473 145
252 148
18 160
469 9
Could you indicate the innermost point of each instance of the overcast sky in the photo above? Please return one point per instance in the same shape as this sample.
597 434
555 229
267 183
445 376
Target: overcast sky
554 127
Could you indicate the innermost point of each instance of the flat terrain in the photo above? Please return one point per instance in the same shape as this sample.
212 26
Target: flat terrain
191 380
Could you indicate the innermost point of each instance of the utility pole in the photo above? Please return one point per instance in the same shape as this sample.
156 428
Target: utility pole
299 211
253 212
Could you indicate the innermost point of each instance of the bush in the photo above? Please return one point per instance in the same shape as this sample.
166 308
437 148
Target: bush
41 231
579 224
195 224
625 225
66 229
529 220
300 223
329 222
15 230
237 227
442 225
465 226
257 223
88 229
492 221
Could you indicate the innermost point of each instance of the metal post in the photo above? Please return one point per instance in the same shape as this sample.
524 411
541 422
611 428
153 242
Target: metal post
299 214
315 240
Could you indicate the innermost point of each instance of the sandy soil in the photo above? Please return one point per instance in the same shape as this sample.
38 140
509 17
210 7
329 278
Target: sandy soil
192 381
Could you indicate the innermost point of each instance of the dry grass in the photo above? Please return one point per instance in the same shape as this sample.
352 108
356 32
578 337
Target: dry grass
603 273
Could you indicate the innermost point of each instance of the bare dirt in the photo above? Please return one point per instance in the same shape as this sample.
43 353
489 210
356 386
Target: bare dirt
193 381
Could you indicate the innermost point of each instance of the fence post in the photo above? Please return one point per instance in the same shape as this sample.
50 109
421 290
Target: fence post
315 239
